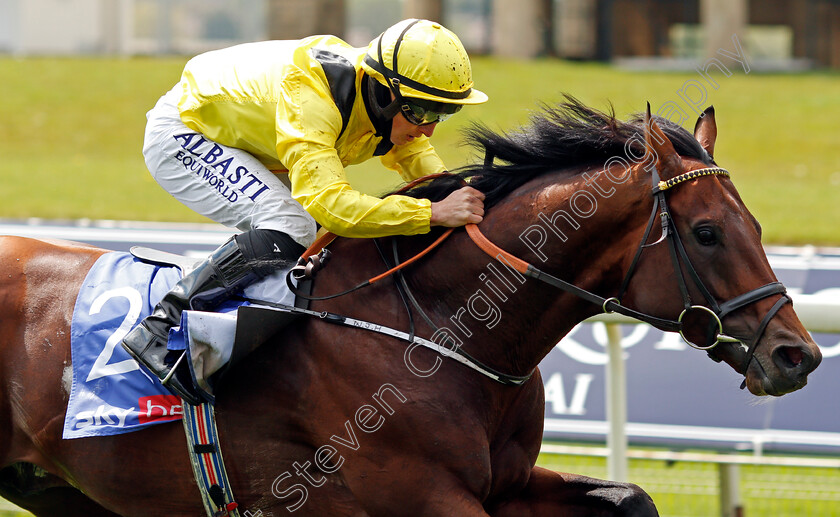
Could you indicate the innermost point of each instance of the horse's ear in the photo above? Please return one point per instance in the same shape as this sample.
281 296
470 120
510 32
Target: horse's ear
668 162
705 131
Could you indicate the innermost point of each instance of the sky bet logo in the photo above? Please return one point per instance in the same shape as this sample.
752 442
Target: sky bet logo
210 163
160 408
103 416
154 409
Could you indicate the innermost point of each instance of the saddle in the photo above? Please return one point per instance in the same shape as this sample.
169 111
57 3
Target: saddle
254 325
211 352
164 258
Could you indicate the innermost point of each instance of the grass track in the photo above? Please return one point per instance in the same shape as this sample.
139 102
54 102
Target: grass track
691 489
71 133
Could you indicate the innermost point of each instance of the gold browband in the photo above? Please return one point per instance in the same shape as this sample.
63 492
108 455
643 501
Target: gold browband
665 185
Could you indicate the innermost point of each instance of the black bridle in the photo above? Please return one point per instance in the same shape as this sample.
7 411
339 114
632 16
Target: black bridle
679 257
681 262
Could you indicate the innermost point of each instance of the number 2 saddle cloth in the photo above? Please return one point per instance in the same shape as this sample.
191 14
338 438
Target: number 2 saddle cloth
110 393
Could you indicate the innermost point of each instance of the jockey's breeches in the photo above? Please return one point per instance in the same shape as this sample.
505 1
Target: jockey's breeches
228 185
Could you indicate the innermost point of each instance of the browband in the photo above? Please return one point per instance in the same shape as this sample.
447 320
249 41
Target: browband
690 175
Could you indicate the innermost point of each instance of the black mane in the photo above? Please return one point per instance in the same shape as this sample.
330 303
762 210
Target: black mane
566 136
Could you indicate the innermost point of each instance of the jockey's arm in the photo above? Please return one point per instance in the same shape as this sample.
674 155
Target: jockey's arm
319 183
419 159
414 160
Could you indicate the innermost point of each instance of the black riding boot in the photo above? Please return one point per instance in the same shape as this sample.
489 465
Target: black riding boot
226 270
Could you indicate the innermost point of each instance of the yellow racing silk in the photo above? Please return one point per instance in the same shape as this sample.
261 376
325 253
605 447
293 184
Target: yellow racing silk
273 100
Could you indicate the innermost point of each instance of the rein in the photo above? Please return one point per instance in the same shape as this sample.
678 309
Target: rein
316 256
451 353
679 257
312 261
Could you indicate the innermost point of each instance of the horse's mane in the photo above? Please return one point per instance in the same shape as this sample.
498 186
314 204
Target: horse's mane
562 137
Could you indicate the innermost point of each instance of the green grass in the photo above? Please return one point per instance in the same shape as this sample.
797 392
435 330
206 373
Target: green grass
13 513
71 134
692 489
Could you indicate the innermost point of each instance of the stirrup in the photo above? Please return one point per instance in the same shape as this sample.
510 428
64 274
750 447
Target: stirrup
147 357
172 383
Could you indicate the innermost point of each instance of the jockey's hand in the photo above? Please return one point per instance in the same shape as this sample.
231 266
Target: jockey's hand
464 206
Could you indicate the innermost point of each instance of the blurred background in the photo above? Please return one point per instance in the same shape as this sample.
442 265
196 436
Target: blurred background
788 33
77 77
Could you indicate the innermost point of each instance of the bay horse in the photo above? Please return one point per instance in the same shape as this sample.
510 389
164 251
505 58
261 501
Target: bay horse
331 420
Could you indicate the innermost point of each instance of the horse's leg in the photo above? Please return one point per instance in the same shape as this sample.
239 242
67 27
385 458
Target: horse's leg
46 495
551 493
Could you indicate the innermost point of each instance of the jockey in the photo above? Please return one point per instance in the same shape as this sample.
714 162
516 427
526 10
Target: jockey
242 117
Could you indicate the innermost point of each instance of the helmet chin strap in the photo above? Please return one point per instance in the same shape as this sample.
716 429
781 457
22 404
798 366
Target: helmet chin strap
387 112
375 95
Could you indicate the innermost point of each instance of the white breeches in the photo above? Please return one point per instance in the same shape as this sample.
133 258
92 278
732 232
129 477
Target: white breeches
228 185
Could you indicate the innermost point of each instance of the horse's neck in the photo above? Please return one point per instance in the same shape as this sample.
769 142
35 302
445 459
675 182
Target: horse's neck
507 321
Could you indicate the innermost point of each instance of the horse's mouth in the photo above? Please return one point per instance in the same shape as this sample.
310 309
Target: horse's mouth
762 385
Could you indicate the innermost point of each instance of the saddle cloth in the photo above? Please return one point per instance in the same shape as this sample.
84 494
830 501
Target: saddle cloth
110 393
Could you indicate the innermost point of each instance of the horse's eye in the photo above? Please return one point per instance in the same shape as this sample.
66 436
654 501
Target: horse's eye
706 235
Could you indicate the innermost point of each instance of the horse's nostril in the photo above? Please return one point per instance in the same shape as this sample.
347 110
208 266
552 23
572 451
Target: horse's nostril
792 359
792 355
794 363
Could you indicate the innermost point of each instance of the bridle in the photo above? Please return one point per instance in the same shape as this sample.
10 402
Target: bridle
679 260
717 311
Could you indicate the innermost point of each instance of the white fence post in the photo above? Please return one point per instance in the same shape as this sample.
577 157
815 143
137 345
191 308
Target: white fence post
616 387
730 492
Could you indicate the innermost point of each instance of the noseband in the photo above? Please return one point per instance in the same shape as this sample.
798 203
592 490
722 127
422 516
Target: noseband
680 262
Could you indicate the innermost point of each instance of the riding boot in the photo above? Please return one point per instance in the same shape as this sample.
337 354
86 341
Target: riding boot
226 270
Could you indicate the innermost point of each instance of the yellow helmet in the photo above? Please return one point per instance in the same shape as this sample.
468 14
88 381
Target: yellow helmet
421 59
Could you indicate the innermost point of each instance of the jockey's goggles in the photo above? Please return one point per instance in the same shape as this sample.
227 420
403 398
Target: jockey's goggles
422 112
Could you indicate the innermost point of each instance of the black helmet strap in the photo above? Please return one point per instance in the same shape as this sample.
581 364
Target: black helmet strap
386 112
